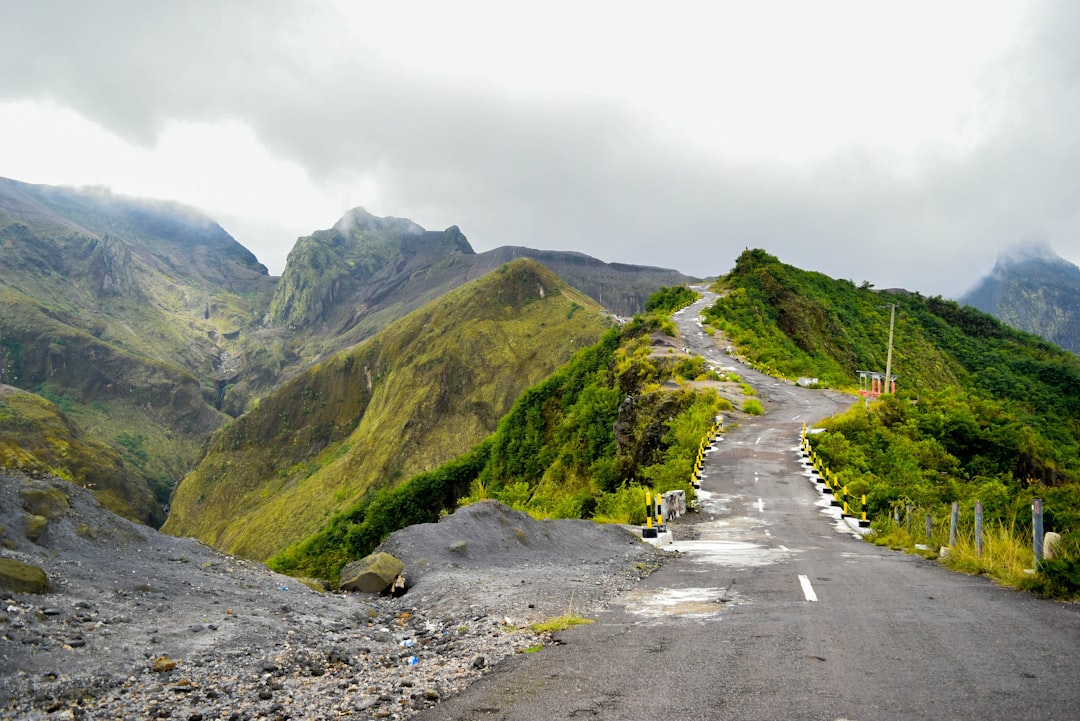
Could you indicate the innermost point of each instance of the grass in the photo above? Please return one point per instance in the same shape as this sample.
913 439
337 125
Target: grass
752 406
559 623
1007 557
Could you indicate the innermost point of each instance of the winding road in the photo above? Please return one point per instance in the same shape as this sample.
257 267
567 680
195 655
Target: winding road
778 610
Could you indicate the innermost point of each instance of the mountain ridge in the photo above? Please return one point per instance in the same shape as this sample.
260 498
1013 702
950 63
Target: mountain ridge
1032 288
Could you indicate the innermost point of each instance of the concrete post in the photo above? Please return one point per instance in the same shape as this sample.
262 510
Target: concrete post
952 523
978 528
1037 528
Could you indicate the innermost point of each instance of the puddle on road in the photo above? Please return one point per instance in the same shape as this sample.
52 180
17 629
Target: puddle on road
738 554
683 602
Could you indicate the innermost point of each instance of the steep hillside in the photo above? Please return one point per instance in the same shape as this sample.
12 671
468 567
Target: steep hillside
417 394
128 315
1033 289
149 325
584 442
36 436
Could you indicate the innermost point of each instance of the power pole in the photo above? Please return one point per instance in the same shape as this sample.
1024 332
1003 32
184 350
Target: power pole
888 358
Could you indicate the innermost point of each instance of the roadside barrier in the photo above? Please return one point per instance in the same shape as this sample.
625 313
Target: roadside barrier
707 442
648 531
850 506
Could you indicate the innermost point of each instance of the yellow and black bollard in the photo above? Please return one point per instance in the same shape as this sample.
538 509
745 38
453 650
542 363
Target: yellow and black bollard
648 531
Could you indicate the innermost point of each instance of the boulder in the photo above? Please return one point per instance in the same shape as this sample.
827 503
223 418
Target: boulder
19 577
371 574
47 502
1051 542
34 526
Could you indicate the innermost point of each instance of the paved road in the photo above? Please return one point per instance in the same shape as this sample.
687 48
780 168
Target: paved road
776 611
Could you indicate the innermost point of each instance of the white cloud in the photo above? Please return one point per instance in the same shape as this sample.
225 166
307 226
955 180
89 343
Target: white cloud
899 143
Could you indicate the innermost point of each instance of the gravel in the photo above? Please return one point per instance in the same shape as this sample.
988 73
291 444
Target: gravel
144 625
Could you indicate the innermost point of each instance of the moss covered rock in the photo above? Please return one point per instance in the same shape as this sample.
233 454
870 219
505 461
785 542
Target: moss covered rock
47 502
19 577
34 526
371 574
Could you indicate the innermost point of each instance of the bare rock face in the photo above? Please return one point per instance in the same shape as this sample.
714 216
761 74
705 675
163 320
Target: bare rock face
371 574
19 577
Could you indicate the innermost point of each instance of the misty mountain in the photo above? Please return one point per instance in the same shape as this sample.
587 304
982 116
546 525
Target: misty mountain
1031 288
146 326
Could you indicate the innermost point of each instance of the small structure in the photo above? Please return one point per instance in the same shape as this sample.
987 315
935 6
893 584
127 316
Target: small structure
872 384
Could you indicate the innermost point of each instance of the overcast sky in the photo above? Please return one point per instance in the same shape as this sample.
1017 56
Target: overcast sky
903 143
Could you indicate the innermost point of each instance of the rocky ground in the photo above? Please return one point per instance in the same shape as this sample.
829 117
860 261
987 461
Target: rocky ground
144 625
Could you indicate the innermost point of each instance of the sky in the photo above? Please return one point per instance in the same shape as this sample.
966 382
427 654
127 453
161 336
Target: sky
903 144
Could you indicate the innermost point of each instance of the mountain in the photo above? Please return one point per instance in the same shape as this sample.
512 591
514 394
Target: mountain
126 314
1033 289
415 395
148 326
342 284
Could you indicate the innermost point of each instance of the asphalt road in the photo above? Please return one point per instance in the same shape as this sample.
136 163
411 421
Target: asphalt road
777 610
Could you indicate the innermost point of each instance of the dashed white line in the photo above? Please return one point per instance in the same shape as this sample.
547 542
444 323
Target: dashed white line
807 589
760 506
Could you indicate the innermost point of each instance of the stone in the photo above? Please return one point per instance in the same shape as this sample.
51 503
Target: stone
19 577
162 664
34 526
1051 541
372 574
47 502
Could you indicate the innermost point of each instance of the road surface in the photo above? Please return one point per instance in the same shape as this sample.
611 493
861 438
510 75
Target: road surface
778 611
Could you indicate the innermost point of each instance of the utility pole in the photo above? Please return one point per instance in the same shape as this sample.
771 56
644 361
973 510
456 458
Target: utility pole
888 358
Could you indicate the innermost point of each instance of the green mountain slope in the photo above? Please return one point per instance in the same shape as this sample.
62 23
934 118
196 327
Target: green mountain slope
983 412
36 436
414 396
127 314
1033 289
583 442
149 325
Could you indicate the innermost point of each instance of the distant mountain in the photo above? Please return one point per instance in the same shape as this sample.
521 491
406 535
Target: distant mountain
148 326
415 395
342 284
1031 288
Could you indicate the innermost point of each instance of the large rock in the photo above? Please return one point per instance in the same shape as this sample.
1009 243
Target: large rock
19 577
371 574
47 502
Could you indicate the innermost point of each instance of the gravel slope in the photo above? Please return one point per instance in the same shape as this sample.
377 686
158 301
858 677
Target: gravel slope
144 625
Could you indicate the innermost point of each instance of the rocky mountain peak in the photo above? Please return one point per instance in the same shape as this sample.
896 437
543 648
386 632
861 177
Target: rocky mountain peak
1025 252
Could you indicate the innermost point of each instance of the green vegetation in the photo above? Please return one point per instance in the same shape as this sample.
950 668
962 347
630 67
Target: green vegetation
982 412
404 402
582 443
753 407
559 623
36 436
670 299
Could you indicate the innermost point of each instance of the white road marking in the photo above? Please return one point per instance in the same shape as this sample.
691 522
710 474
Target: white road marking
760 506
807 589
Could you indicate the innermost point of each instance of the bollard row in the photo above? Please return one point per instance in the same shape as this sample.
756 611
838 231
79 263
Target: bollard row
708 442
664 507
821 475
